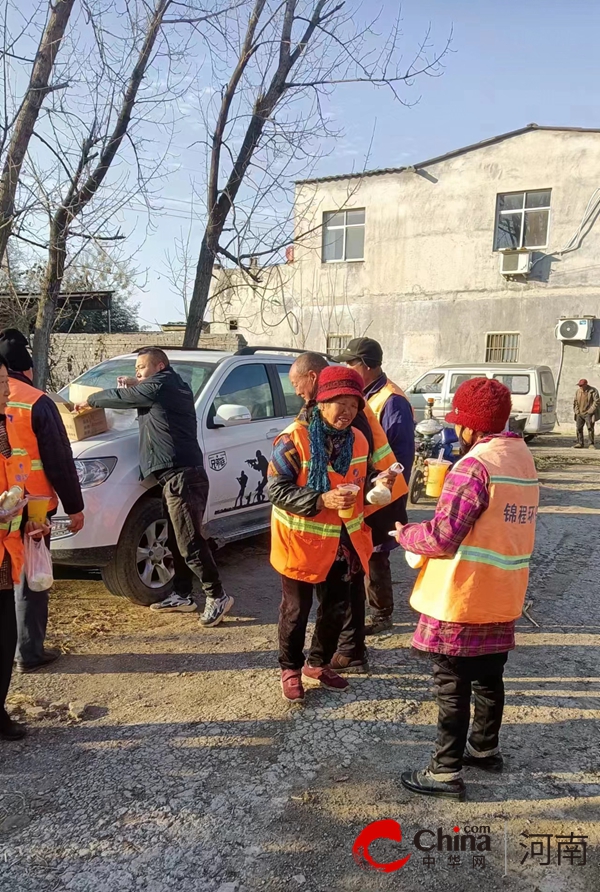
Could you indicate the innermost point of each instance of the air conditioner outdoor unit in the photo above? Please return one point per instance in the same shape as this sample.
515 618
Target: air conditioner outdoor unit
574 329
515 263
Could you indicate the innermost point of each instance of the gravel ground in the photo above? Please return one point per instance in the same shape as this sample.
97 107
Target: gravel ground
162 757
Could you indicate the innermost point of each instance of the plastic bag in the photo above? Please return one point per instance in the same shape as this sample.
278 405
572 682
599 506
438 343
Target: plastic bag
38 565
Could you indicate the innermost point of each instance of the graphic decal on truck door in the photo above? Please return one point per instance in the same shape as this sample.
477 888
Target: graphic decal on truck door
256 495
217 460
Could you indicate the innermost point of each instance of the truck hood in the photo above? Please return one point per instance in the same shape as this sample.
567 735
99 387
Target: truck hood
123 427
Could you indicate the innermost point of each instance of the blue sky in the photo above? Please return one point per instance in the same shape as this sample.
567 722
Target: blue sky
511 64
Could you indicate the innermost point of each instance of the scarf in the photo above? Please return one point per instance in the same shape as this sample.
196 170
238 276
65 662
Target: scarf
327 446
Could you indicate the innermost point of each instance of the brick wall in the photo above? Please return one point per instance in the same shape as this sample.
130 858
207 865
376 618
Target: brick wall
73 354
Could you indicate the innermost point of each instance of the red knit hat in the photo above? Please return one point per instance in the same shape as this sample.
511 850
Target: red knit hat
338 380
481 404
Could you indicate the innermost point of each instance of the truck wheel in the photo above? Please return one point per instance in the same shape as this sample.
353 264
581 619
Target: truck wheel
142 568
416 486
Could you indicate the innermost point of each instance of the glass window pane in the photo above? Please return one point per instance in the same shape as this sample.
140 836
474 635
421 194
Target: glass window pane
508 231
355 216
293 403
247 386
333 218
195 374
538 199
517 384
511 201
457 380
431 383
502 347
355 243
547 383
333 245
536 229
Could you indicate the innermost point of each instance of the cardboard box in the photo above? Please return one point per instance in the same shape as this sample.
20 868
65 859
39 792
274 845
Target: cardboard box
78 393
88 423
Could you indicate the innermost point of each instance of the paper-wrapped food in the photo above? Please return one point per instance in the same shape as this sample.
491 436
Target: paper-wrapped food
380 494
10 498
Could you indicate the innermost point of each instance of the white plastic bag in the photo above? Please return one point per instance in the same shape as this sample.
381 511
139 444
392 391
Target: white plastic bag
38 565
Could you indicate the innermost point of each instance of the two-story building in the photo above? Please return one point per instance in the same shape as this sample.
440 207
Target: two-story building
413 257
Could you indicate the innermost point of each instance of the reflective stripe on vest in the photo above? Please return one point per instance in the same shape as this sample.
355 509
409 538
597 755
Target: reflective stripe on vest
305 548
12 525
486 580
378 400
22 399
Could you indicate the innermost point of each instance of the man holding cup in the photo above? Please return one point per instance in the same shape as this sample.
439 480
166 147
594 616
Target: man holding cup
35 425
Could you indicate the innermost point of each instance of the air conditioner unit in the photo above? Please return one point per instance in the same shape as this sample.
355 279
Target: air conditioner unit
515 263
574 329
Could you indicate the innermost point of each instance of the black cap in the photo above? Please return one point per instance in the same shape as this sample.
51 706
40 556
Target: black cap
364 349
13 349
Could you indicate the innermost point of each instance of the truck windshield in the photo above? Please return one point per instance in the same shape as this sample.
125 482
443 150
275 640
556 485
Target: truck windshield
104 376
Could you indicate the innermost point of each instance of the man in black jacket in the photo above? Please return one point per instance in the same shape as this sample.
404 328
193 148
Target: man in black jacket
59 469
169 449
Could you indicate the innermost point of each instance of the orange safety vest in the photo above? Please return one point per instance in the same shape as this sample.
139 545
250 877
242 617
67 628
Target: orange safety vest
13 472
382 458
305 548
23 397
486 580
379 399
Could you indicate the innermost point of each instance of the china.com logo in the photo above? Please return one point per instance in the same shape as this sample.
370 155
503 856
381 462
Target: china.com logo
425 840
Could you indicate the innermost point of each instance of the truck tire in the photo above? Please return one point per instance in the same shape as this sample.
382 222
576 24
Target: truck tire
142 568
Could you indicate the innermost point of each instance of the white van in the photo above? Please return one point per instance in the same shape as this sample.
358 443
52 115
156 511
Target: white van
243 401
532 387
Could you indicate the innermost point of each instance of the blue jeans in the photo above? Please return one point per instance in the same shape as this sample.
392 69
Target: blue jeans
32 619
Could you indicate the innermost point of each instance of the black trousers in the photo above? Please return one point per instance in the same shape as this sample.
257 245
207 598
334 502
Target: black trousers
454 678
333 596
185 491
8 642
585 421
378 584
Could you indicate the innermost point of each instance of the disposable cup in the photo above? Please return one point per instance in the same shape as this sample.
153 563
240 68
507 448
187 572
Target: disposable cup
436 476
352 488
37 508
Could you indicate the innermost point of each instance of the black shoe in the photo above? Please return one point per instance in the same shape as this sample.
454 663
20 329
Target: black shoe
376 624
422 782
10 730
50 656
340 663
487 763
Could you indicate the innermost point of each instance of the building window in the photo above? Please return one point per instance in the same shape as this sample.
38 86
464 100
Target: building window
522 220
343 235
336 343
232 324
502 346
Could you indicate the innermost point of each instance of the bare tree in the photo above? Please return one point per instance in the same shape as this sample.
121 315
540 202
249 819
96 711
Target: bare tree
19 131
291 54
85 171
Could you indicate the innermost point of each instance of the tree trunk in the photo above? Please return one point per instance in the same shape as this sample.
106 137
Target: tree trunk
46 312
37 91
199 299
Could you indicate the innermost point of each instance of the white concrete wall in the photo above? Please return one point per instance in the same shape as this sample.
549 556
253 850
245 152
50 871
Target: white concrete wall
429 286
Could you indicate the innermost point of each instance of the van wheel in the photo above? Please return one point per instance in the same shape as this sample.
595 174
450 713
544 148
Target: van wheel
142 568
528 437
416 486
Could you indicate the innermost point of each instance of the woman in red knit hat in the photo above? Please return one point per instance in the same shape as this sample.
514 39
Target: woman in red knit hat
318 475
471 588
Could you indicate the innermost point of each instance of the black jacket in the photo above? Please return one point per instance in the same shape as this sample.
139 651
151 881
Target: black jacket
55 450
167 419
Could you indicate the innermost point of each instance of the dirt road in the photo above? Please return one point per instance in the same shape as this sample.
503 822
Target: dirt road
188 771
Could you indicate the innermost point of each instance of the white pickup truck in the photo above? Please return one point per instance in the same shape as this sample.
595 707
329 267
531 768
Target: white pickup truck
243 401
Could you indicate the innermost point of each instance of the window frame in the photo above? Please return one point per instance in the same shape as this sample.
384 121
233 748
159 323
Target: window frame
276 367
523 210
272 382
344 227
331 351
489 347
518 374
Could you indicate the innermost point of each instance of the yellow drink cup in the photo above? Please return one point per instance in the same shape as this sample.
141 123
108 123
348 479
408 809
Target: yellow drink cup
436 475
346 513
37 508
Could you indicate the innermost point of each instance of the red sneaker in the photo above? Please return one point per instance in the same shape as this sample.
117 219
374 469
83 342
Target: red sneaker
325 677
291 685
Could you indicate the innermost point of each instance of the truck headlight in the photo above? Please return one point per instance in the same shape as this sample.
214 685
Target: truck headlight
94 471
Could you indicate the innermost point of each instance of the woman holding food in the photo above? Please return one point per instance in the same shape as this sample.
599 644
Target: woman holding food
318 476
14 469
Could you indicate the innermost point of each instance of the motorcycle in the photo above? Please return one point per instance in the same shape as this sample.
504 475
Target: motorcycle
432 438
